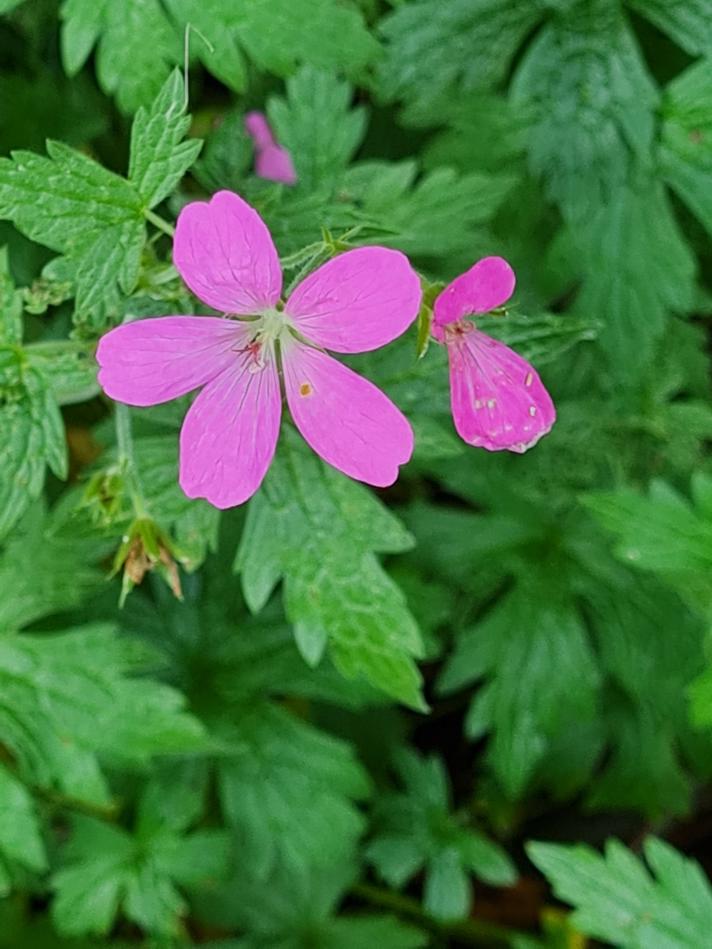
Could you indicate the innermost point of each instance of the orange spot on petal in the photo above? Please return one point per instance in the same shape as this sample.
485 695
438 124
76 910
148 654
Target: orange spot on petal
305 389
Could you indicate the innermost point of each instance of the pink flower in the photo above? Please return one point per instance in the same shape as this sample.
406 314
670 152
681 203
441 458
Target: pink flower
355 302
498 400
271 160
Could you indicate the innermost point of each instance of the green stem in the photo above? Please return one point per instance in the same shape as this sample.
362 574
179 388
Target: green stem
127 460
158 222
473 931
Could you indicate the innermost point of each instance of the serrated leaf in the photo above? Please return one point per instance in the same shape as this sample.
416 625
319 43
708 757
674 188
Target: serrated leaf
31 438
687 22
457 47
639 270
540 338
269 32
294 908
318 125
289 790
10 304
482 134
645 707
660 532
137 44
227 155
110 869
417 829
71 204
318 531
513 649
48 570
68 368
435 215
278 38
447 889
159 156
20 837
591 102
57 739
686 146
619 901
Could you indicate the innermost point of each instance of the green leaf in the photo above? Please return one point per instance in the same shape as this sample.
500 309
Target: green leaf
644 707
484 134
618 901
7 5
639 270
48 569
95 218
447 889
687 22
227 156
10 304
686 146
68 368
32 436
289 790
318 125
276 36
20 838
194 523
71 204
435 215
318 531
416 829
662 532
57 737
459 48
591 103
543 337
159 156
296 908
513 649
137 44
109 869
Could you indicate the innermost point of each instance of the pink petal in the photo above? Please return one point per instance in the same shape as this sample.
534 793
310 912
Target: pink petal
344 417
487 285
258 128
357 301
224 252
498 400
230 433
274 163
152 361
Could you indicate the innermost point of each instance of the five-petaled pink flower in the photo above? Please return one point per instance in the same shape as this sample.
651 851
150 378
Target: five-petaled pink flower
355 302
271 160
498 400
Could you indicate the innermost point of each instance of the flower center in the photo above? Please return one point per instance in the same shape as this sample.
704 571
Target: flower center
270 325
453 331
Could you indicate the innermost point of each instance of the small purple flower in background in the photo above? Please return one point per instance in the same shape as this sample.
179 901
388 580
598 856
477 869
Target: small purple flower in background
271 160
498 400
355 302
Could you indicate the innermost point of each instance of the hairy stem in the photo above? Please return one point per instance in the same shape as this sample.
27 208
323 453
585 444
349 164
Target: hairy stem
127 459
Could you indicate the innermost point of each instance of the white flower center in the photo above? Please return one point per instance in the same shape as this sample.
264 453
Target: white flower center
270 326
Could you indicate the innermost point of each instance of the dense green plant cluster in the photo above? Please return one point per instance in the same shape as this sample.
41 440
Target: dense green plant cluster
335 717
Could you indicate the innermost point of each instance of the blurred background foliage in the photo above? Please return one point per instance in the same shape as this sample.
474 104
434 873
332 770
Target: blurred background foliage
339 718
